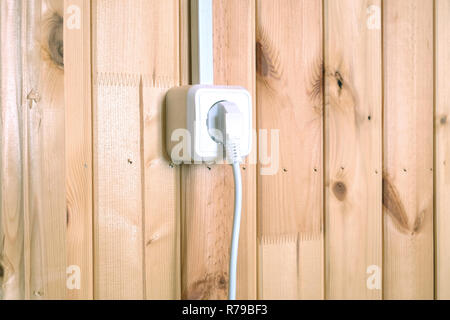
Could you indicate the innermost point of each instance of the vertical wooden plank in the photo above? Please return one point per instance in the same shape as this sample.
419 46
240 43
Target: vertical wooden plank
442 149
118 236
43 98
46 159
408 149
136 192
289 98
78 119
32 62
162 194
12 280
118 224
32 77
353 148
162 181
207 193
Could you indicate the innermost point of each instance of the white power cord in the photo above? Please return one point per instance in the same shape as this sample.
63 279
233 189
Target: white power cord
236 224
227 119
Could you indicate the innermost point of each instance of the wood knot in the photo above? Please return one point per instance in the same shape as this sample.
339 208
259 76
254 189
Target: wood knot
339 79
154 238
317 83
34 96
53 33
340 190
222 282
267 58
56 42
262 65
394 205
212 286
38 293
444 120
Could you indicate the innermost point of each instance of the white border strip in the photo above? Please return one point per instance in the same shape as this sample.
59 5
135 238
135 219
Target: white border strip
202 42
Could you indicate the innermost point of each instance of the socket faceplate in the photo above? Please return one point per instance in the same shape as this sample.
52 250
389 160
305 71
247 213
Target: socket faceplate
188 107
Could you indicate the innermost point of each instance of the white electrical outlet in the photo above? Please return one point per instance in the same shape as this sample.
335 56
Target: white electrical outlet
187 111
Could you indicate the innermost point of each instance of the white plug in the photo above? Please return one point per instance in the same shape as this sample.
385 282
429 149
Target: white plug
225 127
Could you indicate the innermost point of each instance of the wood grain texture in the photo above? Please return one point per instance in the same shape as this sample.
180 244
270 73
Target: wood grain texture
408 149
353 146
78 141
118 207
85 180
44 161
162 181
162 201
207 193
136 191
442 149
12 272
31 57
290 99
46 131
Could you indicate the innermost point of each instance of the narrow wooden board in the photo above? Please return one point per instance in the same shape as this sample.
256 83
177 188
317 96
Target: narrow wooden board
44 183
289 99
408 149
31 59
136 192
12 272
162 199
118 247
442 149
353 148
118 207
78 115
162 181
207 193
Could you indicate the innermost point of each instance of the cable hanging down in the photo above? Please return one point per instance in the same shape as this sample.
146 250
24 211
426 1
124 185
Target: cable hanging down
236 223
225 127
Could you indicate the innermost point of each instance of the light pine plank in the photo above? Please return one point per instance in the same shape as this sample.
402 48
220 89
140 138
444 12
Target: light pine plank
275 256
162 181
289 99
353 148
136 191
12 272
408 149
31 57
162 204
78 120
207 193
43 97
47 220
118 242
442 149
118 207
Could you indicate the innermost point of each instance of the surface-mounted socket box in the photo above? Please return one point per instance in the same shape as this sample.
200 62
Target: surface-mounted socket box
187 108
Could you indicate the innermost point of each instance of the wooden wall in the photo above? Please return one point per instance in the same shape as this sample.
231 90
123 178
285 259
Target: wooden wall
351 108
